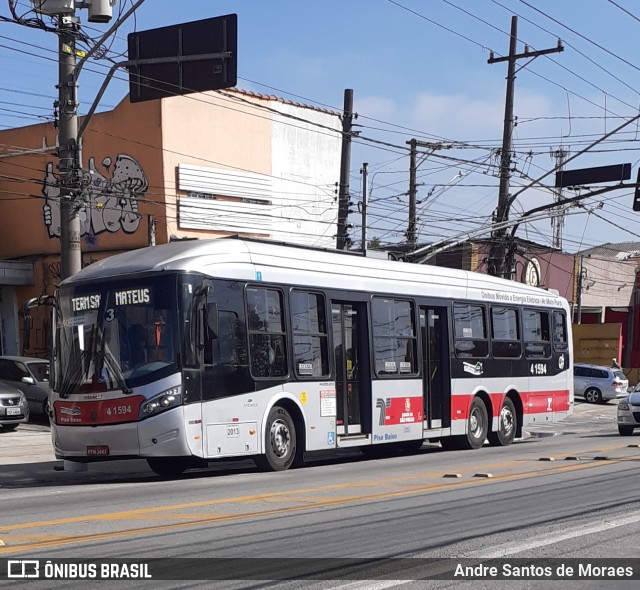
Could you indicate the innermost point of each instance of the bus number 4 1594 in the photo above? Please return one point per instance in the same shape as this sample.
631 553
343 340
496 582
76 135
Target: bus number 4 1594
538 369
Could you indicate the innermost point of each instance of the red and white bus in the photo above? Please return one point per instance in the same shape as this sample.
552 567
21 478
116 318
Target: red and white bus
200 350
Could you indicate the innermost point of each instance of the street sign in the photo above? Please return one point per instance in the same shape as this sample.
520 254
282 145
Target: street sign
583 176
636 194
185 58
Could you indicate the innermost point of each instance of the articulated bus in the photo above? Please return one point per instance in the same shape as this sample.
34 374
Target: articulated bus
232 348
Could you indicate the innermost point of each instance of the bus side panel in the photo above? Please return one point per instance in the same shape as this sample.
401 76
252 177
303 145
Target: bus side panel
318 401
398 410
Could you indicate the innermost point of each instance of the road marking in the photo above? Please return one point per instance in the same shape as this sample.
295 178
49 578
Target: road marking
195 520
553 538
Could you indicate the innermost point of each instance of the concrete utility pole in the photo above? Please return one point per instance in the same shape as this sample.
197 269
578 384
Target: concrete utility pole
345 163
413 192
500 256
363 171
557 221
70 161
69 169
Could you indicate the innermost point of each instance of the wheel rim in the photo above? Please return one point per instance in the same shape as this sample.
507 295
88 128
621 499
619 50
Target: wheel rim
591 395
476 425
507 421
280 438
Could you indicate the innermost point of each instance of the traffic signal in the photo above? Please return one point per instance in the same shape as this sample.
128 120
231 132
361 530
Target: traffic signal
636 194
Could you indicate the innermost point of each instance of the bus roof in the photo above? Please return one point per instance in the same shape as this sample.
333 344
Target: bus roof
261 260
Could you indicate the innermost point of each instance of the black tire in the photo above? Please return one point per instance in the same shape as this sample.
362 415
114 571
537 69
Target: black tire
477 426
625 430
168 466
280 450
593 396
9 427
507 425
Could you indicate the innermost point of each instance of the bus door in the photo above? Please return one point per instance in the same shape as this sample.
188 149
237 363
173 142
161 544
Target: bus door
353 394
435 361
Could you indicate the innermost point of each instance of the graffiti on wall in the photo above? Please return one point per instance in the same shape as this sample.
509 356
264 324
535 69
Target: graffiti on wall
108 202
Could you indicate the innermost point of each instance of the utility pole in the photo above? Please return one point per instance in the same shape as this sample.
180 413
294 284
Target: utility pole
581 274
345 164
413 191
500 257
69 166
69 152
414 144
363 171
557 221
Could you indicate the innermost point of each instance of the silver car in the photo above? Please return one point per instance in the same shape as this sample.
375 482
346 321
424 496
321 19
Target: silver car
598 384
14 409
29 375
629 412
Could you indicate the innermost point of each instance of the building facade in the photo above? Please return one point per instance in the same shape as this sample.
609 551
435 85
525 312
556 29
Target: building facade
185 167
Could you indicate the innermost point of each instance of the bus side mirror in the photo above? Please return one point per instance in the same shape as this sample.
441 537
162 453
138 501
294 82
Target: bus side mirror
212 320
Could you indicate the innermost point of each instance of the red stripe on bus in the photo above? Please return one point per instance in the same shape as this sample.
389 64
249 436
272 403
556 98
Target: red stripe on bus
533 402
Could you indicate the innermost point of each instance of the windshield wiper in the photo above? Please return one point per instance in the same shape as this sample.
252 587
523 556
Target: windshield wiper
107 359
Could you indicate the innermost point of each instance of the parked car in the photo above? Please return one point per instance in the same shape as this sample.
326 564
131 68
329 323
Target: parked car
598 384
629 412
29 375
14 409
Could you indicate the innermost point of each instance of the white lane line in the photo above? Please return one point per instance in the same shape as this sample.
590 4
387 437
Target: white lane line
552 538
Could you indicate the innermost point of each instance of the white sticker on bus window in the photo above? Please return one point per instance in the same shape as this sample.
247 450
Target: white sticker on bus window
467 332
390 366
305 368
405 367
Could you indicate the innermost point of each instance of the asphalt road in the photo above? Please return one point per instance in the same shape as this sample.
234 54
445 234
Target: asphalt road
565 492
27 456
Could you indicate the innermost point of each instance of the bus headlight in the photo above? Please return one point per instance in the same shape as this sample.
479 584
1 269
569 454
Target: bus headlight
164 401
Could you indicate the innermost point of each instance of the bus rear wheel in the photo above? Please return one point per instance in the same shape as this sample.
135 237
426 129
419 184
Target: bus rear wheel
477 425
167 466
507 423
279 443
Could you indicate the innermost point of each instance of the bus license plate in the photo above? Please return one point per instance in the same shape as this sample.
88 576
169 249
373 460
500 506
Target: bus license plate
14 411
233 431
98 451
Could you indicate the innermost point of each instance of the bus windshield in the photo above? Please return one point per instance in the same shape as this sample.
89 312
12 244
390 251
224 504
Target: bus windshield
115 335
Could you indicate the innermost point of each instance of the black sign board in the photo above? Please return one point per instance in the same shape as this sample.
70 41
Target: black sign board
616 172
185 58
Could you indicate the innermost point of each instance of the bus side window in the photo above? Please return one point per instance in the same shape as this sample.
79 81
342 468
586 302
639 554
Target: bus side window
267 345
559 331
536 332
470 331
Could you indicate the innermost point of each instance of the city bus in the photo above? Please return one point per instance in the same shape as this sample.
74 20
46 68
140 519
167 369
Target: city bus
199 350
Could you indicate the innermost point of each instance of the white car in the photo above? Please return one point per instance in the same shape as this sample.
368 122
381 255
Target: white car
629 412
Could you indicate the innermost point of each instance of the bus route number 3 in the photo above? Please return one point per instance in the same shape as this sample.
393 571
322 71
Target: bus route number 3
538 369
233 431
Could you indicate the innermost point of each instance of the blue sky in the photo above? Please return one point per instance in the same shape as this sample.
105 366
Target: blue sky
418 69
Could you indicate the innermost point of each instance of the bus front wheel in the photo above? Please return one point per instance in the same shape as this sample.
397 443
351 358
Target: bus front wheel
279 442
